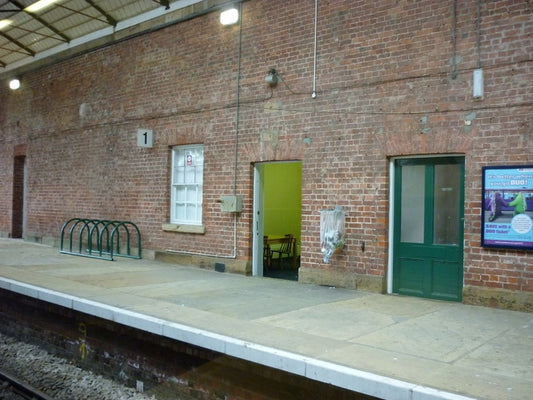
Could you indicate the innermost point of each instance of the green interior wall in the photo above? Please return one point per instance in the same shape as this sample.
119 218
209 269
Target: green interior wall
283 198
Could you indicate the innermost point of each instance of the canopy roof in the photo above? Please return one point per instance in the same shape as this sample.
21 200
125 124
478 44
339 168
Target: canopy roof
28 35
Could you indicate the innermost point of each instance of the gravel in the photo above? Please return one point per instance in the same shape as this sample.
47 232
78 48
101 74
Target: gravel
57 377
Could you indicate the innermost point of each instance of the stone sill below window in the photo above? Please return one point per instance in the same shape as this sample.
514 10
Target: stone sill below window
184 228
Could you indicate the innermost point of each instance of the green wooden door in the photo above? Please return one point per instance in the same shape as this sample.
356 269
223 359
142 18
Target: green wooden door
428 227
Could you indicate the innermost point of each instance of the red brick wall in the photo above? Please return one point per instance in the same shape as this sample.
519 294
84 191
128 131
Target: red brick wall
384 89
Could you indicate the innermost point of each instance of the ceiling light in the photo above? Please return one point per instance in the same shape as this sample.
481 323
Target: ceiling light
39 5
5 22
229 16
14 84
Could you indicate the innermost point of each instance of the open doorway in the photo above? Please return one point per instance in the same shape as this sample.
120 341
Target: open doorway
277 219
17 216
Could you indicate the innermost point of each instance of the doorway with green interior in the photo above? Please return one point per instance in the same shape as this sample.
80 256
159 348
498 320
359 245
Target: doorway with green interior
277 219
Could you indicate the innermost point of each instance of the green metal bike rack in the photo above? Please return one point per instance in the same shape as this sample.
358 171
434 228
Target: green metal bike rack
101 239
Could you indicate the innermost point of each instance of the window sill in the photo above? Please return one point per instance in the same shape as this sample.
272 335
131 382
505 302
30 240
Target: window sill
183 228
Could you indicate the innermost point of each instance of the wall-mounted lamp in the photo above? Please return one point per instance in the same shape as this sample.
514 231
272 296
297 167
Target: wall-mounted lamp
477 84
14 84
272 77
229 16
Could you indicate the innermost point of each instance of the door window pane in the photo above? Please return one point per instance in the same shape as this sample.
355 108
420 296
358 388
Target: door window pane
446 216
412 204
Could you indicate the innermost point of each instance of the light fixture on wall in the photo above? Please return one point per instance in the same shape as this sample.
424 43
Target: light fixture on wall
14 84
272 77
229 16
477 85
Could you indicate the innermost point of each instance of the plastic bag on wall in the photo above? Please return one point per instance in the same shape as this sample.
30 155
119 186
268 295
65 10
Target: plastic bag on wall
331 231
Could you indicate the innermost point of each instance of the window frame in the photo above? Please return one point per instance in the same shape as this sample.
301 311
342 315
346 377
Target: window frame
186 184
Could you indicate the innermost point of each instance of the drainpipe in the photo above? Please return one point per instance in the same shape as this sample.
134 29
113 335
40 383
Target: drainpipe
313 94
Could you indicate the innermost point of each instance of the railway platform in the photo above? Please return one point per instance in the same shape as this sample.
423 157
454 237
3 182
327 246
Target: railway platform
390 347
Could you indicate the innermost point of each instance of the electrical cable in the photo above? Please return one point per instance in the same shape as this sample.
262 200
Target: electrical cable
313 94
454 40
478 34
237 112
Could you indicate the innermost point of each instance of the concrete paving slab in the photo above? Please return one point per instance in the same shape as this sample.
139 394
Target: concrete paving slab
95 267
478 384
121 279
332 321
508 354
400 307
445 334
47 281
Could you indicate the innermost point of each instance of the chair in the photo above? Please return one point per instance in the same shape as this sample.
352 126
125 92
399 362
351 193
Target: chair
286 248
267 253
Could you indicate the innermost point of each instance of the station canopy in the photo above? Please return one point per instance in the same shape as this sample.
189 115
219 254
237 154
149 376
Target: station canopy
34 31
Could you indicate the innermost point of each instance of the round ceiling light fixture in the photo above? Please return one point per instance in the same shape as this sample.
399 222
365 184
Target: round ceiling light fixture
14 84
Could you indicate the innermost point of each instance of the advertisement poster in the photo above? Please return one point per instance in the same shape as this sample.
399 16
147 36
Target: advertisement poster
507 207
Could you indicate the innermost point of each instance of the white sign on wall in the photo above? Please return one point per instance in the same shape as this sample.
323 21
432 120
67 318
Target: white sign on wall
145 138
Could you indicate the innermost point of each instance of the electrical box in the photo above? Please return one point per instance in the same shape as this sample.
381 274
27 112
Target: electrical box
231 203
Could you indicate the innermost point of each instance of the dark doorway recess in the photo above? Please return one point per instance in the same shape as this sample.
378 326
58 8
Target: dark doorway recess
17 220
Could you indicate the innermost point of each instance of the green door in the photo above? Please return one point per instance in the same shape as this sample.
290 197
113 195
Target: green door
428 227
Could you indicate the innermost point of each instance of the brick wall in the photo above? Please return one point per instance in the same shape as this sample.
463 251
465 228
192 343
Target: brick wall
384 89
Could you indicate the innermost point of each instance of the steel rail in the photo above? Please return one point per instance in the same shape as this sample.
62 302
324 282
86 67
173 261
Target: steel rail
23 389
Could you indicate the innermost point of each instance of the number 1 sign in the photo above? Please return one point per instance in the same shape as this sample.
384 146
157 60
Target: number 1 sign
145 138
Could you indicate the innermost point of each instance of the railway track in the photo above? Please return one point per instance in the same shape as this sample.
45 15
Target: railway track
18 389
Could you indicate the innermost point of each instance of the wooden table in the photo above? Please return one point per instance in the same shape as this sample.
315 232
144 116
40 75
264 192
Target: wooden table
277 239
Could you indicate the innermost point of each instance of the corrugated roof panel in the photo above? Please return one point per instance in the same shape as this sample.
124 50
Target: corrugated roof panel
84 9
30 28
13 56
72 20
31 33
9 46
123 9
56 14
18 19
41 43
28 24
25 3
85 28
27 38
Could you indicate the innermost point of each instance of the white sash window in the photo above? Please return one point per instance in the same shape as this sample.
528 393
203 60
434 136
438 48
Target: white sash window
187 184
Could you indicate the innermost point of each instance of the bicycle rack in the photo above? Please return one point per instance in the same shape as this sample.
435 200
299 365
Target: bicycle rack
100 238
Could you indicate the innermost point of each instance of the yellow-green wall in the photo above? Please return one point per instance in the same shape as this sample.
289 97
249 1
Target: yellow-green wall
283 198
